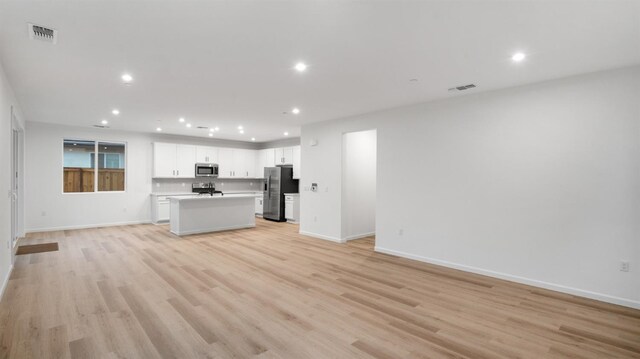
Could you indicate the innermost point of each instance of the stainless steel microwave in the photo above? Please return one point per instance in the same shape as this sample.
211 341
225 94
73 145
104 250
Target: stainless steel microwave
206 170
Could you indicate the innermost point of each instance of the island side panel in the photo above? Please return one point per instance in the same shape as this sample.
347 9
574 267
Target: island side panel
204 215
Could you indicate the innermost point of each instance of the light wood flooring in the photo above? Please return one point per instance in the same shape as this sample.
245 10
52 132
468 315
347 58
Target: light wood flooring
141 292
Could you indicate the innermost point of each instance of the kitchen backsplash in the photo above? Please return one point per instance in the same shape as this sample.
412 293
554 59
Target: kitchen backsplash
178 185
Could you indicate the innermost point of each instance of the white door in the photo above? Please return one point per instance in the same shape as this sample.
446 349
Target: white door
239 170
260 163
287 154
185 161
225 162
164 160
206 154
296 162
270 158
250 163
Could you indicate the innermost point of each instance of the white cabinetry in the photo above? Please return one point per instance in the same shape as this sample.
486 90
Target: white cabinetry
296 162
164 160
160 207
185 161
206 154
173 161
244 163
292 207
284 156
236 163
259 206
264 158
225 162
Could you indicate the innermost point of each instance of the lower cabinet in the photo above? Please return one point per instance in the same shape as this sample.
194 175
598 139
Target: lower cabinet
160 207
259 206
292 207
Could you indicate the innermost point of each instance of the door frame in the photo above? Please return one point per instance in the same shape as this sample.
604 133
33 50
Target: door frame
17 180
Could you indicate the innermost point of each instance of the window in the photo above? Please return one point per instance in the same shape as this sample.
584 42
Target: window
82 173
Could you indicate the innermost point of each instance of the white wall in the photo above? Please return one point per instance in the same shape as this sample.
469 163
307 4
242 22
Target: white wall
47 208
539 184
358 184
7 100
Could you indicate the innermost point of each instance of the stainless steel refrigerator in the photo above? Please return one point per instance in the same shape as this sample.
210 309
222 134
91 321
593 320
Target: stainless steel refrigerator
278 181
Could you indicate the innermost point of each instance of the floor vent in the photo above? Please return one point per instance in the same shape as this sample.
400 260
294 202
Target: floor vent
37 32
462 88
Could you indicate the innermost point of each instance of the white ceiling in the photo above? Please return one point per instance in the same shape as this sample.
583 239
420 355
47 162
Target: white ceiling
229 63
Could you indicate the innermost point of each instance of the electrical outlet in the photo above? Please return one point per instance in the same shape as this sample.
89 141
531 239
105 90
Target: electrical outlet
44 213
624 266
315 218
400 232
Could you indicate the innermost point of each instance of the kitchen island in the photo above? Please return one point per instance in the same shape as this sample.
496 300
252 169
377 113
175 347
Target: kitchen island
205 213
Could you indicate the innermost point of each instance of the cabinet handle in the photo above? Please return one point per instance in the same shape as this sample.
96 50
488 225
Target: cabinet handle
174 172
178 172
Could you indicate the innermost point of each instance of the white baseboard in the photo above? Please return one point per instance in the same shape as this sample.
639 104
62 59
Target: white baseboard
5 282
320 236
85 226
528 281
358 236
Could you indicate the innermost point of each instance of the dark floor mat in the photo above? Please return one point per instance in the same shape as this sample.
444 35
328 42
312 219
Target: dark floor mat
37 248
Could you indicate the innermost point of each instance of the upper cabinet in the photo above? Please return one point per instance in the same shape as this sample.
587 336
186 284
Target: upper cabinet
171 160
225 162
296 162
264 158
164 160
284 156
236 163
206 154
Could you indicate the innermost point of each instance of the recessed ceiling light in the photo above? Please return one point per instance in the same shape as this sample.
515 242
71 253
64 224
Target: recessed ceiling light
253 138
301 67
217 128
286 133
295 111
159 129
181 119
115 111
104 122
241 132
188 125
210 134
240 127
126 78
518 56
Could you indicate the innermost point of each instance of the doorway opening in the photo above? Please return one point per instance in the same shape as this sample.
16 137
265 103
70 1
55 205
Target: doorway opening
359 172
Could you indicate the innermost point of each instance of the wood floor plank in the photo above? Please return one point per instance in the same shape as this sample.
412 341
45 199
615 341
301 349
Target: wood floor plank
269 292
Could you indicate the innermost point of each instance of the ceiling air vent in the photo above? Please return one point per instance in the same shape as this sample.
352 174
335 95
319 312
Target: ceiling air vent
462 88
100 126
37 32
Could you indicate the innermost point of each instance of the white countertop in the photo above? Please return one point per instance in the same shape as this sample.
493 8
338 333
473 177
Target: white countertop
292 194
209 197
170 194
